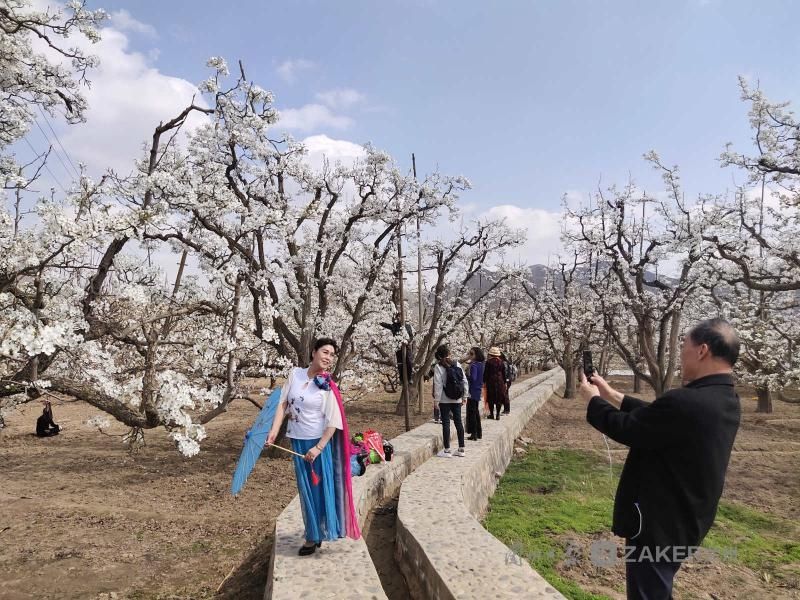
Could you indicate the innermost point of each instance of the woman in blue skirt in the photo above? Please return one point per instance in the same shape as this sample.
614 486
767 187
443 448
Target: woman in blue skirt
318 431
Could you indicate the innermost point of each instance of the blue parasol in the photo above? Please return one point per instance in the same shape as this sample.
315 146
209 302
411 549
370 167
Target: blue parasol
254 441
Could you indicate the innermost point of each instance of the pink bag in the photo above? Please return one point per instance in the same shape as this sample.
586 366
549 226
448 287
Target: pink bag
374 441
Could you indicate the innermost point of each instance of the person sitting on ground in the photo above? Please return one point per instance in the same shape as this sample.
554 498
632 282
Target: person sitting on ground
450 388
44 424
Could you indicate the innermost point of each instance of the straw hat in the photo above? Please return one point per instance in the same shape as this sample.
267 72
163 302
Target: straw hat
494 351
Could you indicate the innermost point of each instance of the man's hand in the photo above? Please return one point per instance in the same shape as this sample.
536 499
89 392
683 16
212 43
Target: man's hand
586 390
607 393
599 387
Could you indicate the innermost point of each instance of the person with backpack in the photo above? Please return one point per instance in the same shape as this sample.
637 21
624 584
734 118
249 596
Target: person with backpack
476 364
495 379
450 388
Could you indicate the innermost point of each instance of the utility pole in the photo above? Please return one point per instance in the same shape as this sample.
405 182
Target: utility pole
404 347
420 399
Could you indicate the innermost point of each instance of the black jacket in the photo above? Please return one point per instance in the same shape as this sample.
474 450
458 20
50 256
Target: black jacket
45 423
680 445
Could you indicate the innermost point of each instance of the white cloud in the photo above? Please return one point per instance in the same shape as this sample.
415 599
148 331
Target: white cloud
124 21
289 69
542 227
322 147
342 98
312 117
127 100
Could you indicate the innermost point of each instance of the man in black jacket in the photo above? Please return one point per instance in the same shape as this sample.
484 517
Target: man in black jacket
680 445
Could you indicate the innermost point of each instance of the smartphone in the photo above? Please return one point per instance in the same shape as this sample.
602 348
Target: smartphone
588 367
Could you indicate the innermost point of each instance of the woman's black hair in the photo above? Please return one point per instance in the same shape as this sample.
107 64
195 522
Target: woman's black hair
325 341
479 356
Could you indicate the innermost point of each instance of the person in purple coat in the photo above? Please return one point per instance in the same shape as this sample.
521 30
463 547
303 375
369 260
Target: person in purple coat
476 363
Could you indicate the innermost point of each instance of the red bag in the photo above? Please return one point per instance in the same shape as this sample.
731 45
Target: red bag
374 441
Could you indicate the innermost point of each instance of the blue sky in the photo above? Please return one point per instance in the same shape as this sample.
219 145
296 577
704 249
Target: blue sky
529 100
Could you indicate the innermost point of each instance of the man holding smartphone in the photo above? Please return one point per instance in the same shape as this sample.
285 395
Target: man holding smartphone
680 446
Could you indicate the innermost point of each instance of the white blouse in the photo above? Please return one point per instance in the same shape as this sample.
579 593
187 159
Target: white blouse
311 410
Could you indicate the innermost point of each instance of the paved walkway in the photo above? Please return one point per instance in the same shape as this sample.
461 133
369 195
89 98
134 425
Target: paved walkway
344 569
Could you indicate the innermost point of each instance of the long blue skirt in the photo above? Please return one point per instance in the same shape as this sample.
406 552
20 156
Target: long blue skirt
317 501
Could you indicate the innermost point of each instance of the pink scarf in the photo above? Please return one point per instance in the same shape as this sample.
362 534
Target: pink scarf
343 476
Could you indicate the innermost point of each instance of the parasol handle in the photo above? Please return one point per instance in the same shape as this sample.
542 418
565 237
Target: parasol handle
287 450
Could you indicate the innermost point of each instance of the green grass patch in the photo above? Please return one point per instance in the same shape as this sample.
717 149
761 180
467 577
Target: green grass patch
545 494
760 541
548 494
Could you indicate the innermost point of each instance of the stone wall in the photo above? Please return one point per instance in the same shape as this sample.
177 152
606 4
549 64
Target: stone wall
442 548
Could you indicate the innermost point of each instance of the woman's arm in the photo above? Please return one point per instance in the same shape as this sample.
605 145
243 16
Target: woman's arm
438 384
280 414
316 450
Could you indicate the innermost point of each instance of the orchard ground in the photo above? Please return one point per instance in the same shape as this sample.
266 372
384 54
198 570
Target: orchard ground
81 518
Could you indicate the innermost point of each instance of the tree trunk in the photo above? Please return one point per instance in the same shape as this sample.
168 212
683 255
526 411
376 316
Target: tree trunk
400 409
764 400
569 376
637 384
414 386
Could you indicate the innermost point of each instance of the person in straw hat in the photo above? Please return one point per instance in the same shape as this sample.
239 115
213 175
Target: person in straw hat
495 380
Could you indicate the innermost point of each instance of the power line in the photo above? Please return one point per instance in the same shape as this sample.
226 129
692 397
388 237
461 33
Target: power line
49 142
35 153
69 158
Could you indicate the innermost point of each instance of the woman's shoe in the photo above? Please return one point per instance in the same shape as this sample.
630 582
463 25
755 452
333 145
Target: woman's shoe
306 550
472 438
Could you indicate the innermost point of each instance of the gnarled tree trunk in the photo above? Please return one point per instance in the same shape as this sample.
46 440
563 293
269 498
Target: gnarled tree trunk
764 395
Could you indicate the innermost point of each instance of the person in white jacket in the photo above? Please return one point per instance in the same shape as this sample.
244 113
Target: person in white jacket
450 388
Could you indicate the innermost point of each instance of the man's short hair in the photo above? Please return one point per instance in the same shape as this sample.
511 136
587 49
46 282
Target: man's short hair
720 337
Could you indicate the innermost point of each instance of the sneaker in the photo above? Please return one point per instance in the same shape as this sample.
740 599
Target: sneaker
460 452
445 453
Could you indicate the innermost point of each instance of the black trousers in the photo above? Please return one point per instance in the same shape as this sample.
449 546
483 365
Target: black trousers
474 418
494 407
454 409
647 580
50 431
